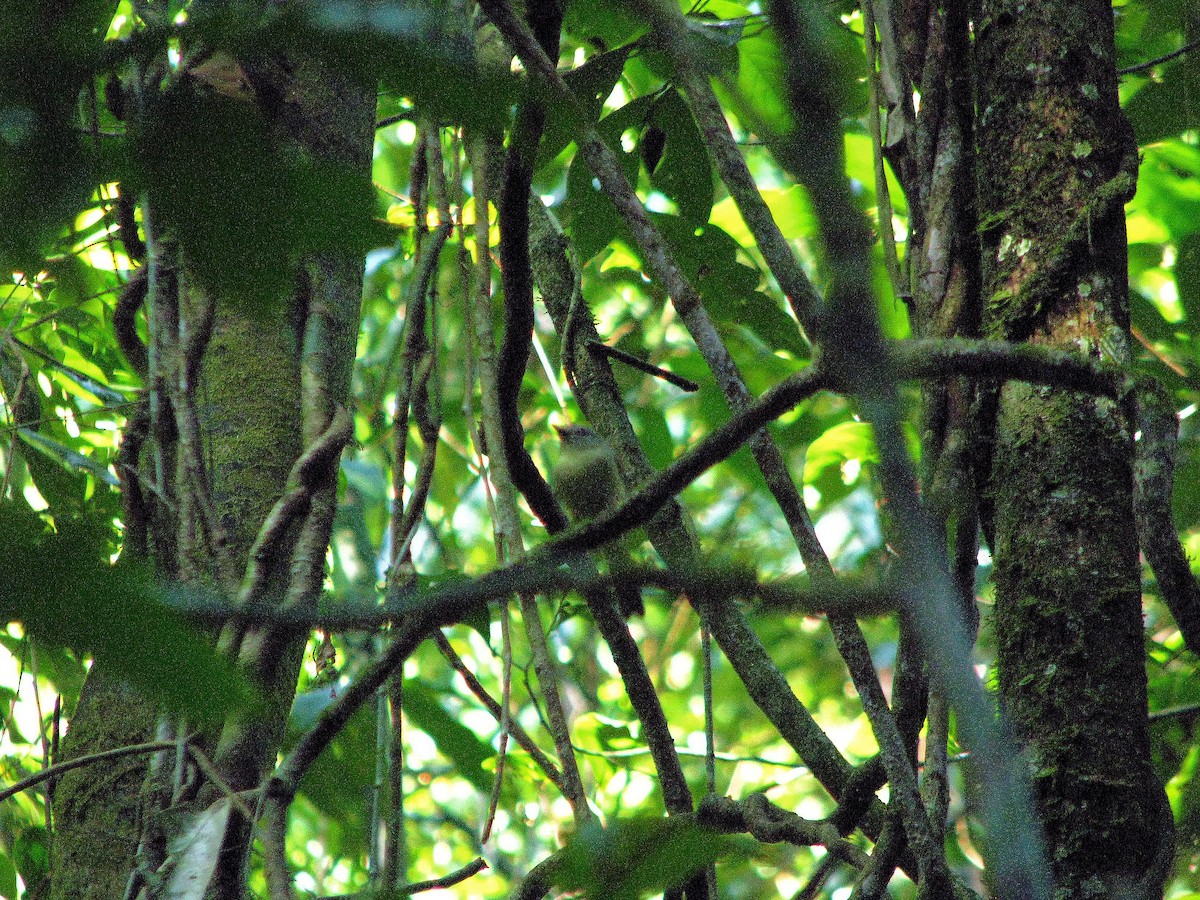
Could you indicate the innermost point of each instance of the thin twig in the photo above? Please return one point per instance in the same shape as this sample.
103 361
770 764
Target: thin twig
883 195
205 765
630 360
505 718
520 735
278 872
407 115
448 880
59 768
803 297
1166 57
499 381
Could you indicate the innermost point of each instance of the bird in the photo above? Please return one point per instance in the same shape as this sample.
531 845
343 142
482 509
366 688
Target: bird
588 483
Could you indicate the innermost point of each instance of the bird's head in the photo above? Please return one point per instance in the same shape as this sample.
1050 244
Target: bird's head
577 437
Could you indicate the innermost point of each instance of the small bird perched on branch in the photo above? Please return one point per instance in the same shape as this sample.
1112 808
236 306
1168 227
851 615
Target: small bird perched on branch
588 483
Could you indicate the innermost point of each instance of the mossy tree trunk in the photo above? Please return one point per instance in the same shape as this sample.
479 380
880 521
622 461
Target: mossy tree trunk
1057 162
266 382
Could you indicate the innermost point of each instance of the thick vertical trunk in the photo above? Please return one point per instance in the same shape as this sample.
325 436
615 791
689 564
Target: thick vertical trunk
1056 164
271 379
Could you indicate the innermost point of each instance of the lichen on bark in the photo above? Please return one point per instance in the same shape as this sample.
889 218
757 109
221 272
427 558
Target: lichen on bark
1054 169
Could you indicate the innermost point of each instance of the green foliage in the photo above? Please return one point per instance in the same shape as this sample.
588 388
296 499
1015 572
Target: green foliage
681 169
262 209
46 166
82 602
453 739
244 209
631 858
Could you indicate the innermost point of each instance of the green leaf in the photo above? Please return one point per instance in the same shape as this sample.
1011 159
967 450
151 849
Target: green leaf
68 458
343 774
790 207
594 222
759 85
713 39
842 442
1166 107
456 741
684 173
730 288
59 586
849 441
47 170
1168 194
31 854
591 83
1187 279
603 23
8 877
632 858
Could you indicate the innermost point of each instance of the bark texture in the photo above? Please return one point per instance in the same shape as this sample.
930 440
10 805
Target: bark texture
1057 162
272 377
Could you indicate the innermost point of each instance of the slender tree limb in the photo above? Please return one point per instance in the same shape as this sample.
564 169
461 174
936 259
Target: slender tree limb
547 674
770 824
685 384
902 777
448 880
548 574
601 402
874 878
935 781
912 359
503 433
91 759
415 373
755 815
131 299
286 780
1185 711
723 149
887 234
1154 470
477 281
310 466
686 300
545 18
1159 60
278 872
520 735
816 881
639 687
511 548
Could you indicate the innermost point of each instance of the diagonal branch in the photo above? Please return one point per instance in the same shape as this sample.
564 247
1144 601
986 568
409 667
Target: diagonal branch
805 301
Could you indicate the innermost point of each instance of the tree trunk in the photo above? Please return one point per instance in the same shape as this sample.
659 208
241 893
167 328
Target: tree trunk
1057 161
270 382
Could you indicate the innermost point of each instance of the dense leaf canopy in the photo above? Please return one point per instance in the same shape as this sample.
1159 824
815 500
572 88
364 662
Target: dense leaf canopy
244 208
